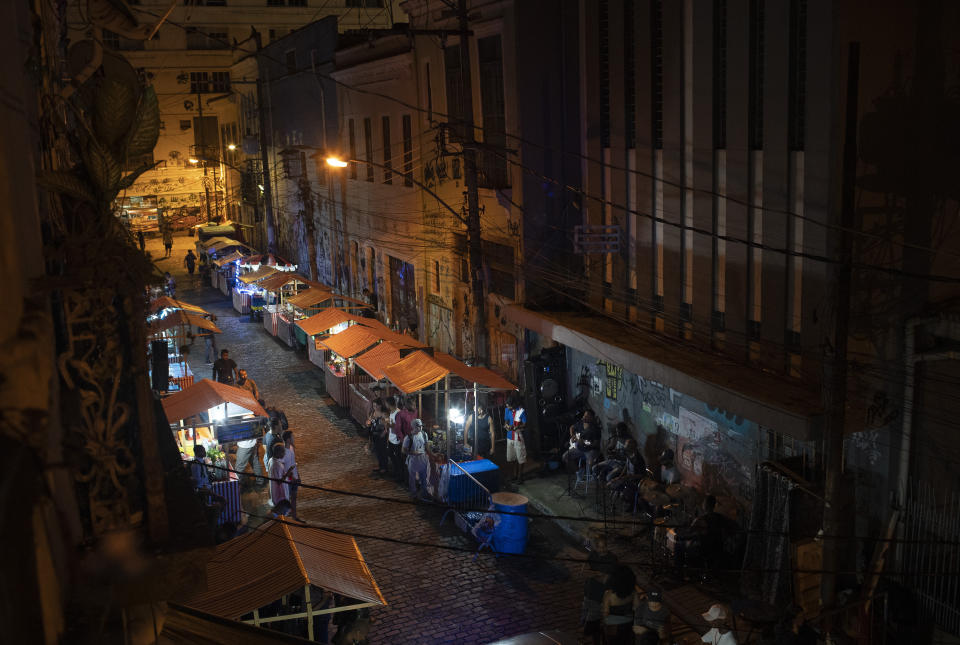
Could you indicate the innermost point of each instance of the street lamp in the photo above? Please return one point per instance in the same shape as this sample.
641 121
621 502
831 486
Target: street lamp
337 163
231 146
193 160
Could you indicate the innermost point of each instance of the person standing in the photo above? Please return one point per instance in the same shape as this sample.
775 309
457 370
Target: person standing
167 241
247 383
272 437
293 476
190 261
515 418
141 241
225 370
415 448
651 620
211 344
377 425
169 285
395 438
278 472
248 451
484 439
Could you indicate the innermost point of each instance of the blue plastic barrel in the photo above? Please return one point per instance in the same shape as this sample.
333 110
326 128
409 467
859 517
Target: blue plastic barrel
510 536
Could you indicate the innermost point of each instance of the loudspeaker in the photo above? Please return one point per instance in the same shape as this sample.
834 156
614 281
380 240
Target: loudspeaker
546 395
160 366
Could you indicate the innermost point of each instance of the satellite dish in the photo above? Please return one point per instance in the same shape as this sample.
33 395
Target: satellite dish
549 389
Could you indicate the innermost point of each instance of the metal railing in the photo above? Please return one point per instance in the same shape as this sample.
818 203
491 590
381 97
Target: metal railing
465 496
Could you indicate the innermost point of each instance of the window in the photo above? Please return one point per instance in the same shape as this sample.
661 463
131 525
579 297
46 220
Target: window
206 137
291 60
798 75
407 151
209 82
184 124
436 276
294 164
720 74
494 163
387 157
454 83
604 71
111 40
757 63
656 61
630 73
115 41
207 38
352 146
368 146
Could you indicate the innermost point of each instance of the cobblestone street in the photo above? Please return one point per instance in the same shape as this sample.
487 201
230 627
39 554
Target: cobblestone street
435 595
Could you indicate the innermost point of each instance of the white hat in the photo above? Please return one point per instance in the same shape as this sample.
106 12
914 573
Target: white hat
716 612
417 423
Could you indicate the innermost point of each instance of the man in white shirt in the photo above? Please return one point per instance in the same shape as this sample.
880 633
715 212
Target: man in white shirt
248 450
415 448
719 633
395 439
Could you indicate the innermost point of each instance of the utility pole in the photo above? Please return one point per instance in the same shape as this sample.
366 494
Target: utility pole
203 145
835 383
264 161
474 241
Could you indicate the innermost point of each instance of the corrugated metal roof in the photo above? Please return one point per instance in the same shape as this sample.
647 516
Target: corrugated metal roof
213 241
187 626
236 255
280 279
479 375
277 558
415 372
373 361
310 297
166 302
259 274
180 317
326 320
351 341
202 396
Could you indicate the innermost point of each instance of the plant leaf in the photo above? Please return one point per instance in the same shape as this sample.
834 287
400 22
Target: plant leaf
146 125
114 110
128 180
66 183
102 167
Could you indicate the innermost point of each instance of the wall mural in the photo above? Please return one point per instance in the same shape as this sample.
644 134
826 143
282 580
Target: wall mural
715 450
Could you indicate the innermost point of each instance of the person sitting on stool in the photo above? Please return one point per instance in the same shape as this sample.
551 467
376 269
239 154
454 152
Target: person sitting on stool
704 537
615 454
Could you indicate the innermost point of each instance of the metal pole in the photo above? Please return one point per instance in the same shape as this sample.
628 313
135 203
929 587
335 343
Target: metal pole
836 381
306 593
476 421
473 199
203 140
451 440
264 161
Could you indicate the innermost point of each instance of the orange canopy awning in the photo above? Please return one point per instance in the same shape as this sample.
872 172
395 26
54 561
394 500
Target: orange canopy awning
415 372
351 341
479 375
181 317
326 320
227 259
166 302
310 297
254 276
280 279
375 360
206 394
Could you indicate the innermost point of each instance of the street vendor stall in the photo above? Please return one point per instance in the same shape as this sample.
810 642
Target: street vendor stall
246 575
247 291
277 288
328 321
214 414
303 305
174 333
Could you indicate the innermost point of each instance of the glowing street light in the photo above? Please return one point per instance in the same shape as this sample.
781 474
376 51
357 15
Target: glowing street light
193 160
232 146
336 163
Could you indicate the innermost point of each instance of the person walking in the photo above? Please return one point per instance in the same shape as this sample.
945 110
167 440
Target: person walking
293 473
167 241
247 383
415 448
225 369
211 342
141 241
169 285
190 261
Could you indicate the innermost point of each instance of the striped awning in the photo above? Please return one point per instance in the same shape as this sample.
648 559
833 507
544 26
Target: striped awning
420 370
351 341
326 320
375 360
310 297
180 317
200 397
255 276
166 302
280 279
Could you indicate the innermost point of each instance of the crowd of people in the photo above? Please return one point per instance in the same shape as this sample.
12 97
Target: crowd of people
399 443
